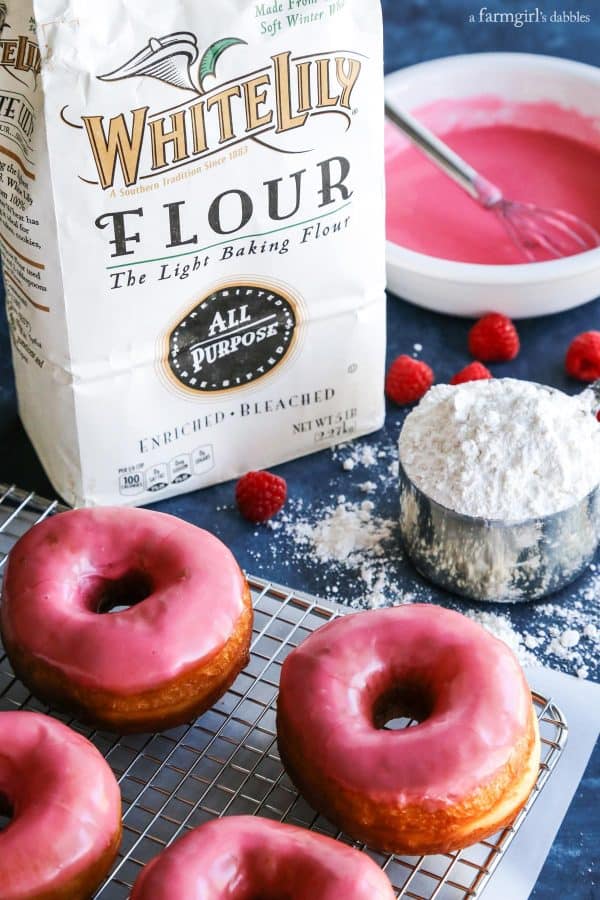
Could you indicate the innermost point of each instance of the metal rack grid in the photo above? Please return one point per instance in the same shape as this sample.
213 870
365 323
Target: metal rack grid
227 762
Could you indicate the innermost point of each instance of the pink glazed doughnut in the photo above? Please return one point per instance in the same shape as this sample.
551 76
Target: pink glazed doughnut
157 664
455 778
246 858
65 806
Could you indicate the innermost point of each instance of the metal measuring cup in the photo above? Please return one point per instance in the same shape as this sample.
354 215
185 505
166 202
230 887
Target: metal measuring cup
494 559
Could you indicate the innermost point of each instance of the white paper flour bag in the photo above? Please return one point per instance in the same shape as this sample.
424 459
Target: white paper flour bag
192 235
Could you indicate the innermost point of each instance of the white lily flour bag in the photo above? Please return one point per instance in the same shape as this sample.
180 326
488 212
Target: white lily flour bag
192 235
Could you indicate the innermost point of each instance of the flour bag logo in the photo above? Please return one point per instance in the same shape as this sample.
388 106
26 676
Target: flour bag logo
19 54
20 66
278 98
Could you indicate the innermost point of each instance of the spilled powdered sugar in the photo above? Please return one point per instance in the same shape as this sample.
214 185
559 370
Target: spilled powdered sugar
500 627
345 533
347 548
352 536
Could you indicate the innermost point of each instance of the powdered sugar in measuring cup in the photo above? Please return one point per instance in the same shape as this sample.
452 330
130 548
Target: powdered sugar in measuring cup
500 496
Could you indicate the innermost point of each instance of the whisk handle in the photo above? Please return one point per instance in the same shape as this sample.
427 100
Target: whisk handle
452 164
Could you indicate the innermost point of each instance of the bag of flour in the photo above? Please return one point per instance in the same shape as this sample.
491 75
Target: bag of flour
192 235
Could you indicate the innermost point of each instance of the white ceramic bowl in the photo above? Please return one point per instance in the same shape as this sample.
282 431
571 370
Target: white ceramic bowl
469 289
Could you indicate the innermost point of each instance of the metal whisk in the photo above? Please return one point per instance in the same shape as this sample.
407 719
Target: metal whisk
537 233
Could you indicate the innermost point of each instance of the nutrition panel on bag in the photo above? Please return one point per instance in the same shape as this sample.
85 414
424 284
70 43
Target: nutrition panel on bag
137 479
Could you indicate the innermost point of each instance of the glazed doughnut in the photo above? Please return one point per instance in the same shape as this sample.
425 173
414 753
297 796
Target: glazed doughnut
455 778
159 663
66 811
246 858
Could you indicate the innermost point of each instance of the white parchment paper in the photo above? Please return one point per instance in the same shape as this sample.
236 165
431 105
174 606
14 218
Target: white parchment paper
517 873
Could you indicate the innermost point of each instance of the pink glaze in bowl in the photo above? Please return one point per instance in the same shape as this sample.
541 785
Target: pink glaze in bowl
456 95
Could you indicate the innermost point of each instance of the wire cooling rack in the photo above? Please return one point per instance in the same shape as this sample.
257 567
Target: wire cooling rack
227 761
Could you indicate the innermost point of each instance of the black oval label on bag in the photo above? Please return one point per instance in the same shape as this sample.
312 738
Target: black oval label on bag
233 337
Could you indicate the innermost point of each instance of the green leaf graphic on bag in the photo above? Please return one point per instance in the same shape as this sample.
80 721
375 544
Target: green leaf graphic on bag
208 63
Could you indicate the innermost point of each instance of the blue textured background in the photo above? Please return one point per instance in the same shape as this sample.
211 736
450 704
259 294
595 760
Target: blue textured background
415 30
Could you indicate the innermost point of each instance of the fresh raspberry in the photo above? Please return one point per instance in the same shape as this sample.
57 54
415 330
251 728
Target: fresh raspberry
475 371
583 356
494 338
407 380
598 415
259 495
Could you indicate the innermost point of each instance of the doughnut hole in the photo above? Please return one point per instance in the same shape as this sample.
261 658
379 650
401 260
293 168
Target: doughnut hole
112 595
6 812
403 705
